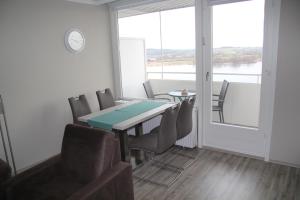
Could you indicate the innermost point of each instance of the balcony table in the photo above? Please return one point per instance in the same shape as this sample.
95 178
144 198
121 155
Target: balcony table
180 96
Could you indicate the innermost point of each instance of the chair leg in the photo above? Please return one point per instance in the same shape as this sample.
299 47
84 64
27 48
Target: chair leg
161 165
220 116
223 121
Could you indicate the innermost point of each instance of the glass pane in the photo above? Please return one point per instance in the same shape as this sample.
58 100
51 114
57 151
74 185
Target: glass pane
147 27
237 58
178 43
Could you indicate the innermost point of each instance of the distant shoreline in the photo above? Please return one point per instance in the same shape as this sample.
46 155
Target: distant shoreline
225 55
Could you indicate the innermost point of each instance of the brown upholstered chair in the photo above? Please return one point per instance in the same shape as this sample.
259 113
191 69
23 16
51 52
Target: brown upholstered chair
161 138
184 123
88 167
158 141
105 99
80 107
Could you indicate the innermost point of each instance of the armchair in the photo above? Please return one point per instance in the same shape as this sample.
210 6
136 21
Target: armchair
88 168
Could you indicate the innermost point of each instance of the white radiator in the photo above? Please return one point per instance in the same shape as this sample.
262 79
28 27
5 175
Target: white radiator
189 141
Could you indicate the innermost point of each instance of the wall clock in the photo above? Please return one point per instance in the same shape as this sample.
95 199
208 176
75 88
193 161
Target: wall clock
74 40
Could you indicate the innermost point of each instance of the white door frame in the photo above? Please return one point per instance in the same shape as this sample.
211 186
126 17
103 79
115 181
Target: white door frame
261 137
272 15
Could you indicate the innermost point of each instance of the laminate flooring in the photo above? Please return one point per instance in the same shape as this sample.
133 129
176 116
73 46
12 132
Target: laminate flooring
215 175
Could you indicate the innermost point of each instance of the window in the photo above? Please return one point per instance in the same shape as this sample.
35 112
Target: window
238 41
169 42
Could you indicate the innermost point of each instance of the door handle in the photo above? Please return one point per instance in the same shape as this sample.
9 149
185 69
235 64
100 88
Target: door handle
207 76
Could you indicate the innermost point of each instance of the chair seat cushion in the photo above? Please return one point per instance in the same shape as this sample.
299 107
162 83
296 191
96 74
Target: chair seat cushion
147 142
57 187
216 108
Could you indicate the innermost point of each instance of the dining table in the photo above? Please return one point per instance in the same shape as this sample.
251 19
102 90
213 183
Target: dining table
124 116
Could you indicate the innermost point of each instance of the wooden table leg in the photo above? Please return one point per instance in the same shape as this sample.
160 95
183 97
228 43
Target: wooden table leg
139 132
123 137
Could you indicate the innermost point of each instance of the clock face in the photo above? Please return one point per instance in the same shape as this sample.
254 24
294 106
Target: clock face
75 41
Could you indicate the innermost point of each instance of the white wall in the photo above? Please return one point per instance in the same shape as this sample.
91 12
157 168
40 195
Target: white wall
285 141
37 73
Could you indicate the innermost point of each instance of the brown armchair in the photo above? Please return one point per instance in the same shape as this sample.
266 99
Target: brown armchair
88 168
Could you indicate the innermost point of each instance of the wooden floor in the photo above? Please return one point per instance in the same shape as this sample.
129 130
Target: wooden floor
217 176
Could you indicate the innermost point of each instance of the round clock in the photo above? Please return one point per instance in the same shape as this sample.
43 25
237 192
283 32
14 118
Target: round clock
74 40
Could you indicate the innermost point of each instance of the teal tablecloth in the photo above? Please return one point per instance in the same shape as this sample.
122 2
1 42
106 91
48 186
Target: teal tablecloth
106 121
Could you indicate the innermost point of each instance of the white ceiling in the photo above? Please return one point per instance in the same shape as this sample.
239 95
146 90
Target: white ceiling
92 2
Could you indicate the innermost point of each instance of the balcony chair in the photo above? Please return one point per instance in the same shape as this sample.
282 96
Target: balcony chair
159 140
220 100
105 99
88 168
150 94
80 107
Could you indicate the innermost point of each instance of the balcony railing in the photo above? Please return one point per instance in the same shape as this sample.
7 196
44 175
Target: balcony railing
231 77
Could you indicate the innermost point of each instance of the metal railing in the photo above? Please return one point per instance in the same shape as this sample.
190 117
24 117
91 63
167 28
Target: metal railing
256 76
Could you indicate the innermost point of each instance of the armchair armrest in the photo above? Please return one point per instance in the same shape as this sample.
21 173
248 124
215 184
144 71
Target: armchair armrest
120 176
22 177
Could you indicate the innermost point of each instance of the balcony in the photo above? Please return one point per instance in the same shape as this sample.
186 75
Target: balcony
241 105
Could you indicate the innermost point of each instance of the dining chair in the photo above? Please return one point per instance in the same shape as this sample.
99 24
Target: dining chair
80 107
184 123
220 100
184 126
150 94
105 99
160 139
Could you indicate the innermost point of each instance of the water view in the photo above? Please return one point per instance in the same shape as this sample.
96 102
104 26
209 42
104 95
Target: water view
233 64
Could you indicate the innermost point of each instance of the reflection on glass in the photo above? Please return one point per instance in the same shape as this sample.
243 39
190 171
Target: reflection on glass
147 27
237 58
170 42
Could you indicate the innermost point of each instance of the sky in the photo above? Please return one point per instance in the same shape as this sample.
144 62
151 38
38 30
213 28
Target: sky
235 25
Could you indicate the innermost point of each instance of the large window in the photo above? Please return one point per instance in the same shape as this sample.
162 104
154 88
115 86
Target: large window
169 42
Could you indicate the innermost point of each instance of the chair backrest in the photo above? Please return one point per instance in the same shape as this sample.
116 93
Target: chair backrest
105 99
167 134
184 123
80 107
148 90
223 92
86 152
1 106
